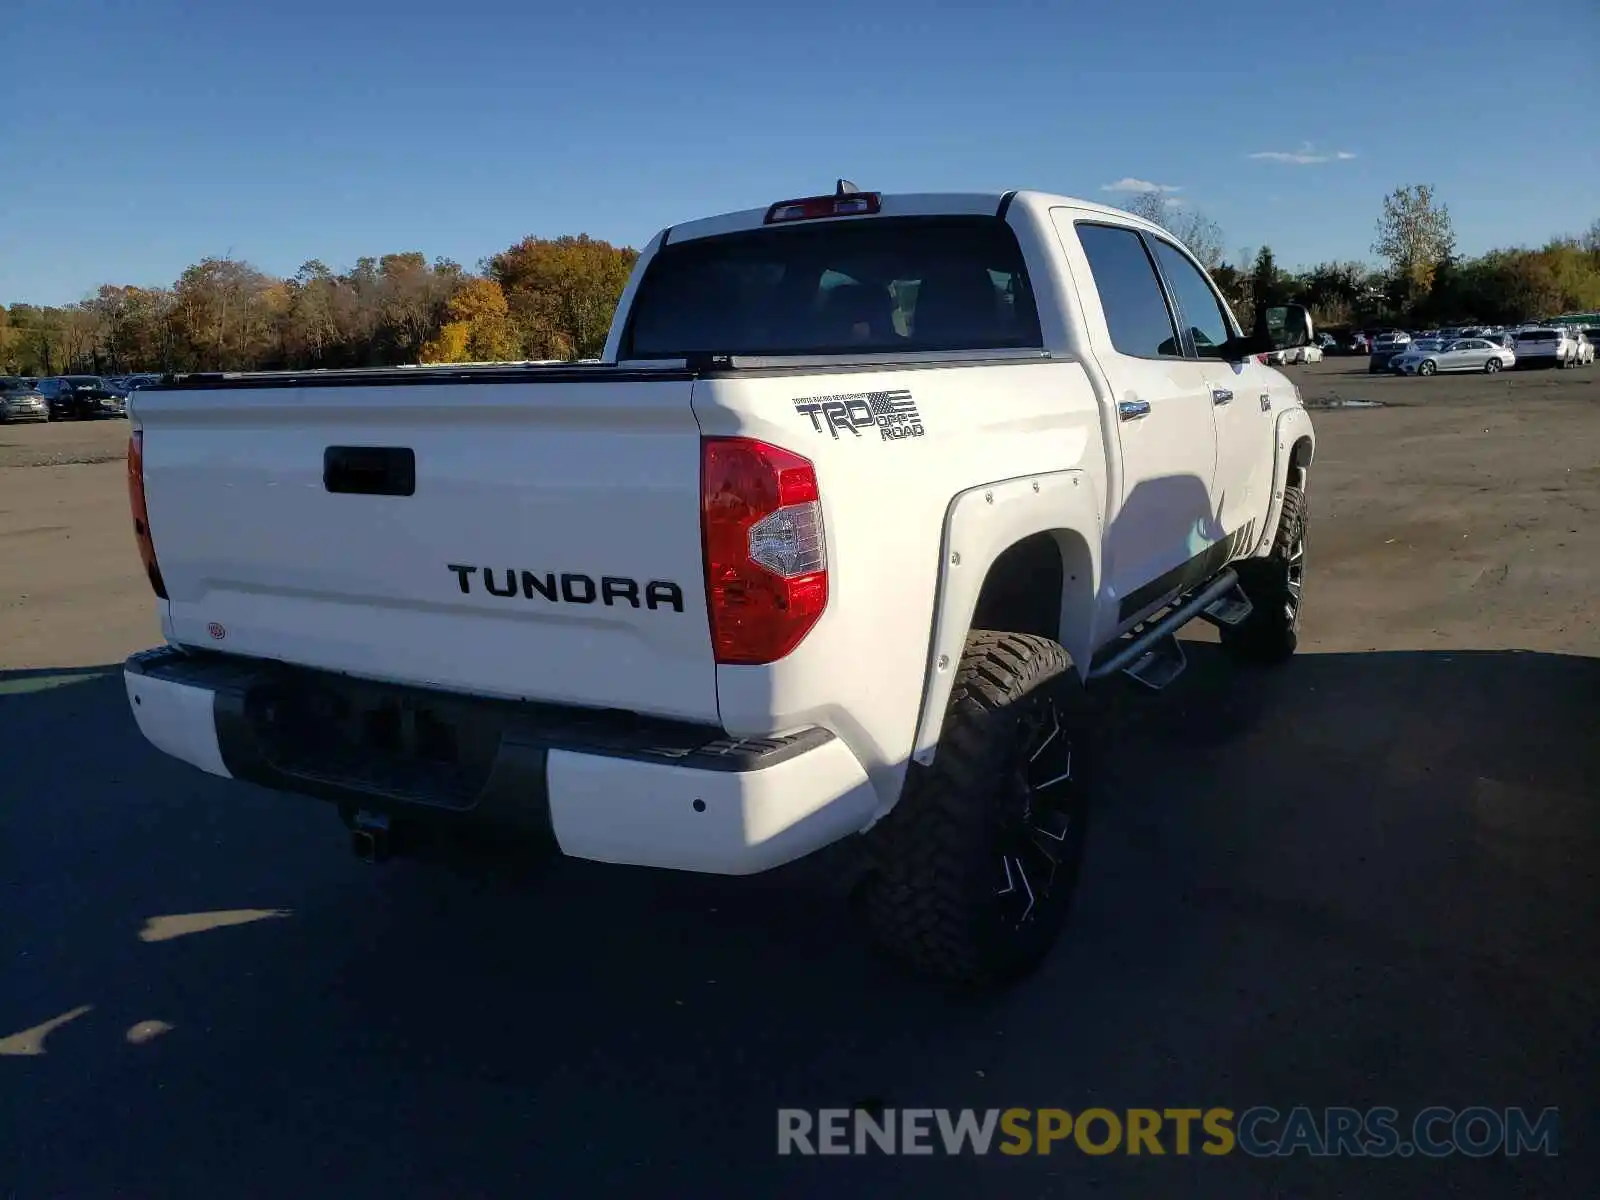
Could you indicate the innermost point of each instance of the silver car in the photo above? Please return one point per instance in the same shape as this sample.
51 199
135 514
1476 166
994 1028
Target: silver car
1463 354
21 401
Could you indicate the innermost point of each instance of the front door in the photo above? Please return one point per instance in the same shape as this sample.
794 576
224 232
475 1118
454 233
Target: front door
1241 395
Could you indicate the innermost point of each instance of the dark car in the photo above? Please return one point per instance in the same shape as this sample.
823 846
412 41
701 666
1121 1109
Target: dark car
81 398
1389 344
21 401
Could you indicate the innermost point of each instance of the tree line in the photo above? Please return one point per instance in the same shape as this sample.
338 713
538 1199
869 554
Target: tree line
1420 280
552 298
543 298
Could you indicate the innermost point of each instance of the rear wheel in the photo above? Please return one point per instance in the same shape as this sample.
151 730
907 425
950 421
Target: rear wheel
1271 633
1490 367
973 871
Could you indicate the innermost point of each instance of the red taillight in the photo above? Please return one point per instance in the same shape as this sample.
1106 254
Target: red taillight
766 557
141 514
813 208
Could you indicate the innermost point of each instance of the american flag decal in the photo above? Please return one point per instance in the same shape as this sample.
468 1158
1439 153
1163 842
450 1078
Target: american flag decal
893 413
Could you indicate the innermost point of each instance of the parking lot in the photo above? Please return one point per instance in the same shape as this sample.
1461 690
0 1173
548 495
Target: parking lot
1366 878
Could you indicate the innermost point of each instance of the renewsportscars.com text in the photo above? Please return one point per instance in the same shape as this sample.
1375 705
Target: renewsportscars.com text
1260 1132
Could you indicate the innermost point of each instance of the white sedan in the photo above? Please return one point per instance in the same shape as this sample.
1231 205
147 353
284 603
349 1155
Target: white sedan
1464 354
1298 354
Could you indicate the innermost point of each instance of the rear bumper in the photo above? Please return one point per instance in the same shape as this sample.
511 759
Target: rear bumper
611 788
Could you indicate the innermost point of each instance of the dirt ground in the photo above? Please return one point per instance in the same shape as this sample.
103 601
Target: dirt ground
1364 878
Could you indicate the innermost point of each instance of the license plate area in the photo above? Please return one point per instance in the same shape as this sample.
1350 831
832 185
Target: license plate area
420 747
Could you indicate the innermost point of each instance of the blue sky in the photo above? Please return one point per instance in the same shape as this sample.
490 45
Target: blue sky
140 137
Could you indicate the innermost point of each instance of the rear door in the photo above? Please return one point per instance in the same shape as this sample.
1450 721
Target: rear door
530 540
1168 515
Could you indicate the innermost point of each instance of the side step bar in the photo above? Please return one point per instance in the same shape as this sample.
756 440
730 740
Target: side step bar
1228 611
1152 655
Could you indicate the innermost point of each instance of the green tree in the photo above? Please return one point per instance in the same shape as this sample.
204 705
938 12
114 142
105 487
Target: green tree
1268 285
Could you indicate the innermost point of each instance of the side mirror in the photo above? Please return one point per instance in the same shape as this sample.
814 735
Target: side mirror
1281 327
1287 326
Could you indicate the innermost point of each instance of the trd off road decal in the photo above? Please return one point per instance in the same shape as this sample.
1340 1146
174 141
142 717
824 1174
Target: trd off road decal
894 414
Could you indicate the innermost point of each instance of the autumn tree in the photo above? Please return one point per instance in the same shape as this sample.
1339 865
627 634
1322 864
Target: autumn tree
411 296
225 313
477 327
1591 238
311 330
1414 236
562 292
1189 225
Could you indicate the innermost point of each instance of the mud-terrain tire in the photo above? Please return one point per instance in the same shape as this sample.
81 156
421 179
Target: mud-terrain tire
1274 584
972 873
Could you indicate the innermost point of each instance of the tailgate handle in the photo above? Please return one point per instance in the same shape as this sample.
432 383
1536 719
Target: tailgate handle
370 470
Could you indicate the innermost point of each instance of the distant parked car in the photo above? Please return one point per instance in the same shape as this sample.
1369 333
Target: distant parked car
1582 348
1462 354
81 398
1549 346
21 401
1384 347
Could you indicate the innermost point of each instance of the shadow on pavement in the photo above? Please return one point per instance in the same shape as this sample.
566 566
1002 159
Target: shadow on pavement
1358 880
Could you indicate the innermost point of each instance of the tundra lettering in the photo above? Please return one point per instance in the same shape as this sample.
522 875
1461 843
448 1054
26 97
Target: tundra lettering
572 588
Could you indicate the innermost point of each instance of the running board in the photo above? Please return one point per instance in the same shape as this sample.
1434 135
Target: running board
1153 656
1229 610
1158 666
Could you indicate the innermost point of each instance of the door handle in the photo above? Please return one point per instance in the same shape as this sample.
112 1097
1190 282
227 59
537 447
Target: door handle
1132 410
1221 396
370 470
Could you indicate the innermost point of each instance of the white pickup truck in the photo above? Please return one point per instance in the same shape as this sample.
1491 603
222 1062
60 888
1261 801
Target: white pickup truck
866 492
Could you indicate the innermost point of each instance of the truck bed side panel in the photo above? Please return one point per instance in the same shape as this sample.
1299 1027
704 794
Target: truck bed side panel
862 670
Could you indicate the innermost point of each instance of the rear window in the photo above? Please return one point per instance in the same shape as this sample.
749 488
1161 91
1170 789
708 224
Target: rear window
878 285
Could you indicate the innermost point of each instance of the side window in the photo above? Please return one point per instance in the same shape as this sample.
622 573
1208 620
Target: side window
1203 314
1130 292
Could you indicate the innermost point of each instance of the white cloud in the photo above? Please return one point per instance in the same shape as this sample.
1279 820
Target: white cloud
1303 156
1129 184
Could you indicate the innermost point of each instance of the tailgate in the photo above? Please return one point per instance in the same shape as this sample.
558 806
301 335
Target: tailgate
535 540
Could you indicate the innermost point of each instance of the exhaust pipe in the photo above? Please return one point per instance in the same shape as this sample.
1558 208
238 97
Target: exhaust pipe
369 836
